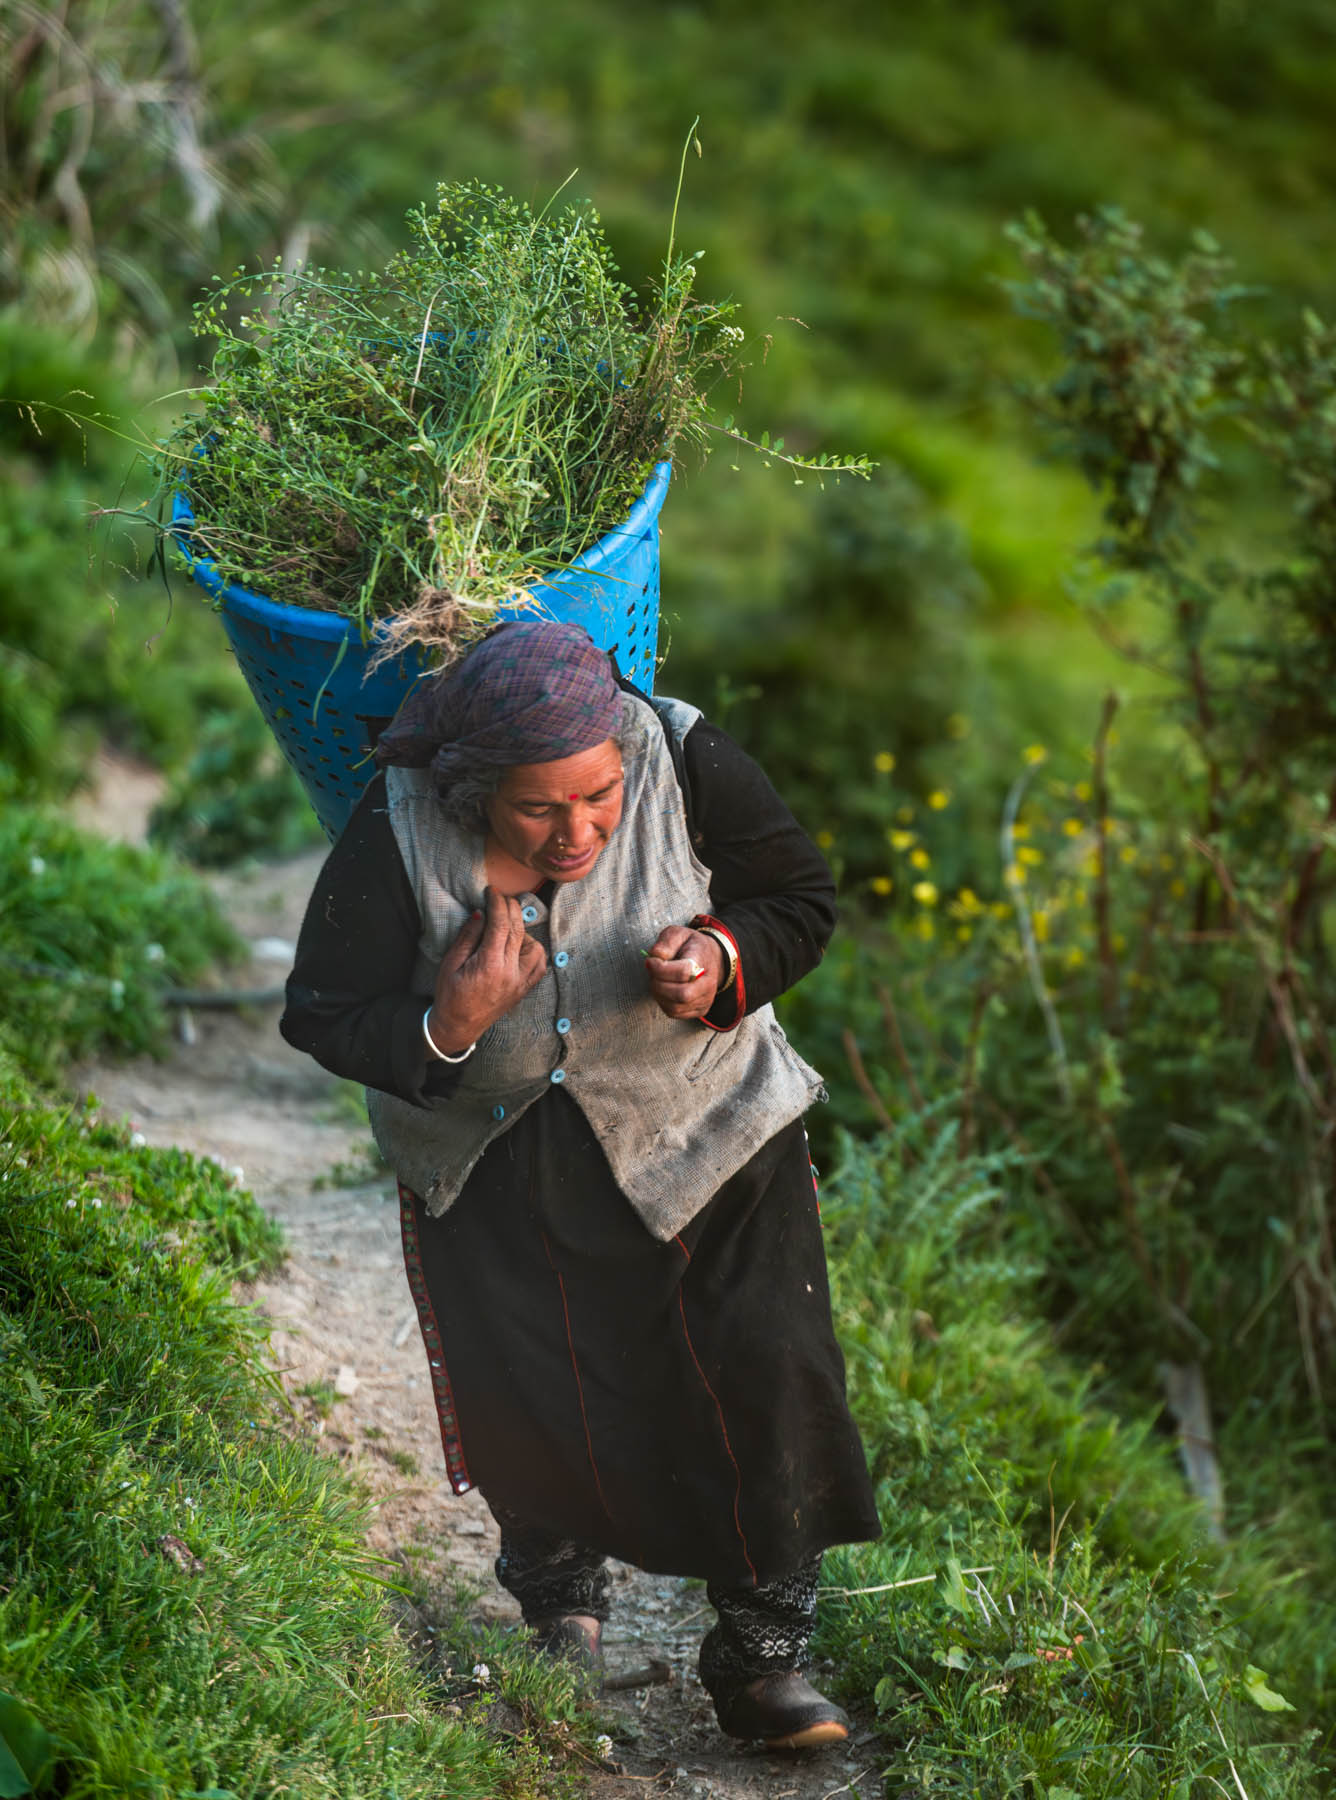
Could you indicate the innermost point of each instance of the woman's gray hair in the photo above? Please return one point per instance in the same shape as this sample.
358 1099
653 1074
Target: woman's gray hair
466 799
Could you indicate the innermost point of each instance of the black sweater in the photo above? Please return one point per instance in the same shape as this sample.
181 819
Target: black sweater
350 1001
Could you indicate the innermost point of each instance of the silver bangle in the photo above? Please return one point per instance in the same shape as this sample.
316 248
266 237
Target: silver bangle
730 955
438 1053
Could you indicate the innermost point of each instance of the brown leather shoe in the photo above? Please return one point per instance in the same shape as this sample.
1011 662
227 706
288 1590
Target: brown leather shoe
574 1637
786 1711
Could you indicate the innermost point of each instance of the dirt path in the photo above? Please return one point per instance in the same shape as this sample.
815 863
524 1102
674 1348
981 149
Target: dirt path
346 1340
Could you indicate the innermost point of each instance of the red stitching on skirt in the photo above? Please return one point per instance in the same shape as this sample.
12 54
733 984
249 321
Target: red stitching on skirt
443 1394
737 1472
579 1385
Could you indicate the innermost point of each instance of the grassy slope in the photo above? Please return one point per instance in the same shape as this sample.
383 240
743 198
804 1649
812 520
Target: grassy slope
1096 1644
160 1628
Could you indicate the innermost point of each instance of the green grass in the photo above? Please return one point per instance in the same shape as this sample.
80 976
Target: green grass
1047 1615
188 1607
92 934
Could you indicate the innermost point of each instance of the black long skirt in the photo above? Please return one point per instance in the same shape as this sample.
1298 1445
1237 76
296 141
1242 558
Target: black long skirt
680 1406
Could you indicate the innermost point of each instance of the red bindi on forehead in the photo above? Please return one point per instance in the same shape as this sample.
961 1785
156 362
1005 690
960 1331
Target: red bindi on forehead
572 796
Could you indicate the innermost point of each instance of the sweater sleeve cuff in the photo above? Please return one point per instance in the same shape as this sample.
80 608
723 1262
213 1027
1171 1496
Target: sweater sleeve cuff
419 1077
729 1008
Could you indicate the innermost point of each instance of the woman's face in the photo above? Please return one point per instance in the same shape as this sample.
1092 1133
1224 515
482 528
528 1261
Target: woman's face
555 817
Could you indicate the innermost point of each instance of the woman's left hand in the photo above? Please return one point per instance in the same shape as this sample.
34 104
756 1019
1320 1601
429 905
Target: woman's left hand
684 968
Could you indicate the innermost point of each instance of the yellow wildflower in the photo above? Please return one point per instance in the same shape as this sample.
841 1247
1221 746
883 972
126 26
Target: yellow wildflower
1028 855
920 859
969 900
939 799
901 840
883 762
1034 754
964 933
825 839
881 884
1041 925
1013 873
1127 854
1075 957
957 726
1020 829
925 927
1073 827
1084 791
1090 865
925 893
1000 909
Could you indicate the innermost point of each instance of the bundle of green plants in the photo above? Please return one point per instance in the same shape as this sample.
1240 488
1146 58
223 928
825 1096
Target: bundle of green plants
161 1633
1044 1613
92 935
424 443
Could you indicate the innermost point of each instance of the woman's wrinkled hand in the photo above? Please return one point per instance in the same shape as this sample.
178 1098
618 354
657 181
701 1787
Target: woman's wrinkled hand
489 968
684 969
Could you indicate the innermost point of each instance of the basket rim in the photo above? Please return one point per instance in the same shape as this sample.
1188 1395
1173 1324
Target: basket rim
305 621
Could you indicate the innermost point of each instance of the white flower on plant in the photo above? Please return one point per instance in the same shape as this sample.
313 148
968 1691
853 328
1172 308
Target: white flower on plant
481 1673
37 865
154 953
603 1744
137 1140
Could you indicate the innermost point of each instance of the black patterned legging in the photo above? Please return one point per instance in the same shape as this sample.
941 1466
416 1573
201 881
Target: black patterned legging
761 1630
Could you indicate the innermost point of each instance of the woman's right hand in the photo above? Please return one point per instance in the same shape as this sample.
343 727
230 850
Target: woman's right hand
489 968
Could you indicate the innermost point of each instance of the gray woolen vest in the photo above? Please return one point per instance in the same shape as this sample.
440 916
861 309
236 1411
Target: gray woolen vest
678 1108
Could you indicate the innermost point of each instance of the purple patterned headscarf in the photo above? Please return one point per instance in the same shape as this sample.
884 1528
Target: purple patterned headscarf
530 692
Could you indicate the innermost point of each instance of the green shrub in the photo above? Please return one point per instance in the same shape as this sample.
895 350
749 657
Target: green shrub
1043 1613
234 798
91 935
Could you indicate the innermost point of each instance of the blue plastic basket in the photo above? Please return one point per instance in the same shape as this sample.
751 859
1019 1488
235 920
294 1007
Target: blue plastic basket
308 670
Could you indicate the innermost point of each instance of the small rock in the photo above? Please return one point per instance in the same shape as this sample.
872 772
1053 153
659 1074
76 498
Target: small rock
346 1382
471 1528
274 949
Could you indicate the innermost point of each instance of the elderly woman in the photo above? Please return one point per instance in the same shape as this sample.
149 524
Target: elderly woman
547 943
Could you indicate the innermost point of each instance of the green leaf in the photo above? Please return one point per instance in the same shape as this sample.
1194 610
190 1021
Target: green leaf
26 1751
13 1782
883 1695
1255 1687
954 1658
951 1587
